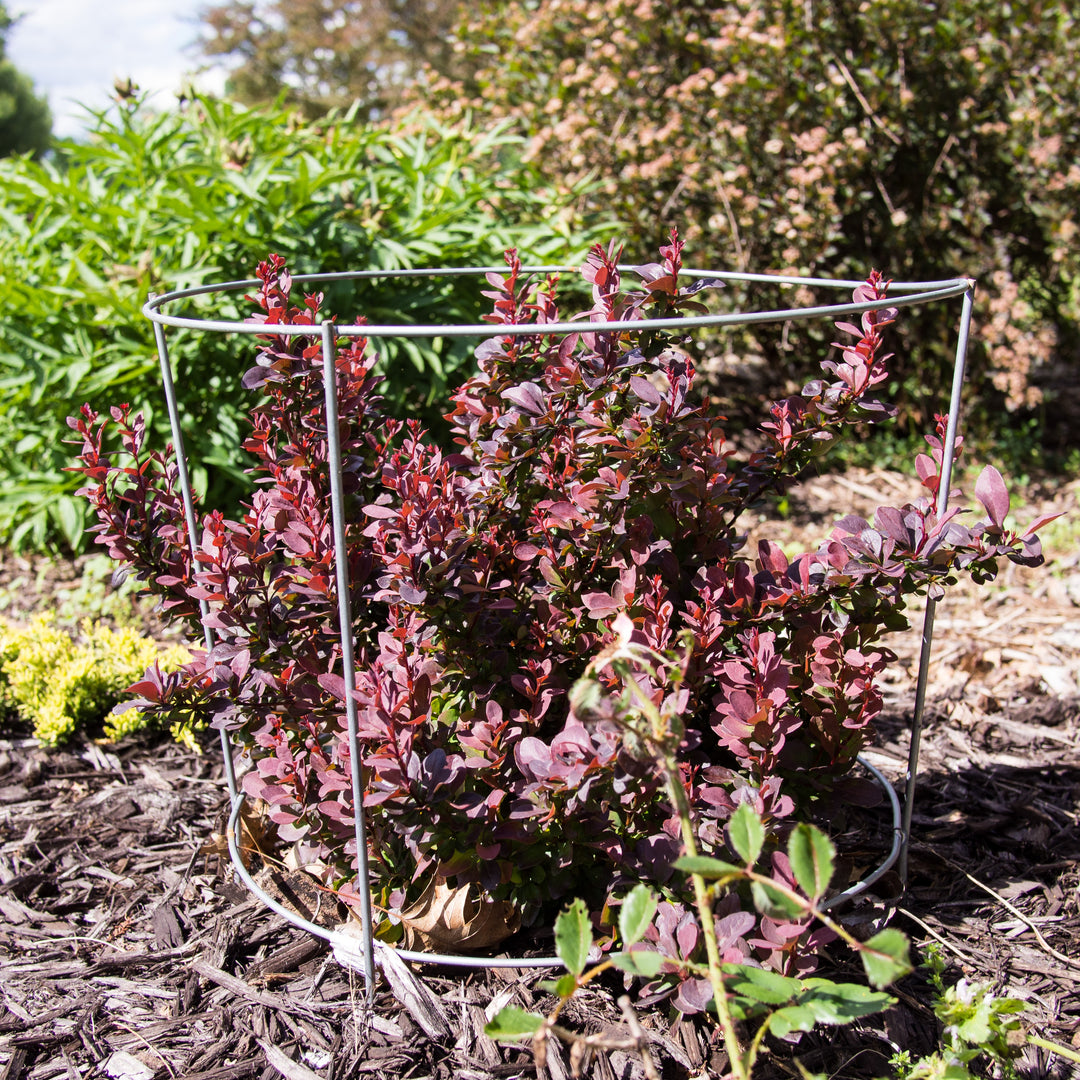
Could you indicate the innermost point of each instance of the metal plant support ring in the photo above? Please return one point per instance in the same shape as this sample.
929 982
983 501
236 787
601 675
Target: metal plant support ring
903 294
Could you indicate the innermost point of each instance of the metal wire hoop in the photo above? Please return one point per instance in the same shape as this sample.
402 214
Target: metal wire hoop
902 294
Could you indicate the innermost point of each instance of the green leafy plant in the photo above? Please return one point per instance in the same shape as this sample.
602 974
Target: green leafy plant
63 686
976 1024
157 201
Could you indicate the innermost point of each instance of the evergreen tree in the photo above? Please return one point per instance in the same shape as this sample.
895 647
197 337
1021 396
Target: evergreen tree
25 119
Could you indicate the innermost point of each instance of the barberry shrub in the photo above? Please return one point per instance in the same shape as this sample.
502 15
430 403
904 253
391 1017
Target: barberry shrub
587 482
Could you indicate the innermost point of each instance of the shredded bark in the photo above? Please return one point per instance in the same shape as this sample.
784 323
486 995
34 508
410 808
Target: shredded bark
128 950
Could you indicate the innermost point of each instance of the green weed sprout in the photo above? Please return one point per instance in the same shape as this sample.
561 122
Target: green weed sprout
975 1023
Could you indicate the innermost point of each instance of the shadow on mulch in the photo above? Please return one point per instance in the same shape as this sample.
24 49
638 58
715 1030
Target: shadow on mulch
994 867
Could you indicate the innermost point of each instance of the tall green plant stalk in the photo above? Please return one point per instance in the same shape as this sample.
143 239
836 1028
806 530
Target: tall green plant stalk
662 736
660 732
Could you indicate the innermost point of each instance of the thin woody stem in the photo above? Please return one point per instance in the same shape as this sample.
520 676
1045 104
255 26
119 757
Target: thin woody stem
703 900
661 738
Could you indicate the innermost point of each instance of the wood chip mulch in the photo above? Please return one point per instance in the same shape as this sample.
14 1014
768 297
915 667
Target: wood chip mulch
127 950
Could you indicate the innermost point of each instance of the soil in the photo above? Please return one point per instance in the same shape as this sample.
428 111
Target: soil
130 950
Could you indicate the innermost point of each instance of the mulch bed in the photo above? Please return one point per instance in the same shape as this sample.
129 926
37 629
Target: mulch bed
128 950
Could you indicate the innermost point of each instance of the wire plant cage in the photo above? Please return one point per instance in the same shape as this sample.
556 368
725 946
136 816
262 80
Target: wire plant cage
366 953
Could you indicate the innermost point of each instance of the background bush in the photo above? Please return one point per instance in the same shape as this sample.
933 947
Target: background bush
318 54
926 139
157 201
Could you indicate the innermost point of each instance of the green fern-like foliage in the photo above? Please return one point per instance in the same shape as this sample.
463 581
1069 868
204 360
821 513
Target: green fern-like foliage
63 686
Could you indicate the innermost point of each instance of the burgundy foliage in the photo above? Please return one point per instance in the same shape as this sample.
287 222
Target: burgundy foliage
588 480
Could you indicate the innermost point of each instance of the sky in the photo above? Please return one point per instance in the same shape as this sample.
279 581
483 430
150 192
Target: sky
75 49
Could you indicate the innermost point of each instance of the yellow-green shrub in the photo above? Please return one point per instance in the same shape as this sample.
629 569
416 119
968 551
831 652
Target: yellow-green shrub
62 685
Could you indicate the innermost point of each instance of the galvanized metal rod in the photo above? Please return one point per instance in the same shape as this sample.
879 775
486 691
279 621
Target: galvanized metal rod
958 284
955 286
924 292
189 519
948 450
341 560
894 850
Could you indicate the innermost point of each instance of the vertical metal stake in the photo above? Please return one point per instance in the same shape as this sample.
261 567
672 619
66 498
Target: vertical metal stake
931 605
341 559
189 517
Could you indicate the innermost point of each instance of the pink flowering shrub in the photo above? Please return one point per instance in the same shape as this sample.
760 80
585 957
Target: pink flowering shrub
807 139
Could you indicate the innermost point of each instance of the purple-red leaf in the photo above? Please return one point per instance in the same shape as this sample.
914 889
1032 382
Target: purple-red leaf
145 689
772 558
528 396
645 390
1036 525
599 604
990 490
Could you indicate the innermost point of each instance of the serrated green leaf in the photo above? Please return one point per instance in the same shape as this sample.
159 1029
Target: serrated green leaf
839 1003
771 901
746 833
812 856
885 957
956 1071
636 914
513 1023
573 937
706 866
640 962
792 1018
1003 1006
976 1028
759 984
741 1008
